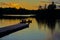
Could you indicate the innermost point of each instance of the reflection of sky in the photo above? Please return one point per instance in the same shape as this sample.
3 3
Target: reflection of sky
31 33
26 35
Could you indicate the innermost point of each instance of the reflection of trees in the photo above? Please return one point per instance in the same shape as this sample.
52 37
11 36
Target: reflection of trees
51 24
59 23
41 24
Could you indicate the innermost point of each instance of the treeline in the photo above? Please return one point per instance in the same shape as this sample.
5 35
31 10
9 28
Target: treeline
15 11
43 13
48 14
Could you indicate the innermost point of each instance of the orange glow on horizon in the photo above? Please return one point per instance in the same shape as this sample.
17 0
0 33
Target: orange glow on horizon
23 5
11 5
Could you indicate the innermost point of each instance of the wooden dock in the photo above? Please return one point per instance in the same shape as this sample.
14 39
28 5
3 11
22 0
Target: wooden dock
11 29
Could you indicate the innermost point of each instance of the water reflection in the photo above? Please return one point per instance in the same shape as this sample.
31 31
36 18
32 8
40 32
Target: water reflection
53 25
49 23
38 29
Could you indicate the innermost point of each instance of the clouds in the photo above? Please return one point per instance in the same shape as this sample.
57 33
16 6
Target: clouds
29 4
8 0
10 4
28 1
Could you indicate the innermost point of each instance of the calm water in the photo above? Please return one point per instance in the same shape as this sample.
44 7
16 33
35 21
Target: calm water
36 31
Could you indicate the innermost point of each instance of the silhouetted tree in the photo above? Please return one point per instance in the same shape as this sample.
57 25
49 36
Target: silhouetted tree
45 6
52 6
40 7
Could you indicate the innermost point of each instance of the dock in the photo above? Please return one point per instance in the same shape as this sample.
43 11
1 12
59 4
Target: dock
11 29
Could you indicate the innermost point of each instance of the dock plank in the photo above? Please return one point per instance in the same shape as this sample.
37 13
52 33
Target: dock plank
11 29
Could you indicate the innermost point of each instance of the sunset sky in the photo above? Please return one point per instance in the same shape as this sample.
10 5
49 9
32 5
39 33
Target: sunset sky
28 4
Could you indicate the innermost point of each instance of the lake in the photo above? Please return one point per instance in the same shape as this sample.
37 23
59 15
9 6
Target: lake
36 31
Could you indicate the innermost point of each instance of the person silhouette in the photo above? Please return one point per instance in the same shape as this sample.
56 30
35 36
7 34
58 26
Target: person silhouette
40 7
52 6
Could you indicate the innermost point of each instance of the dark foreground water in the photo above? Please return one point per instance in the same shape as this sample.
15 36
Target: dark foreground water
36 31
